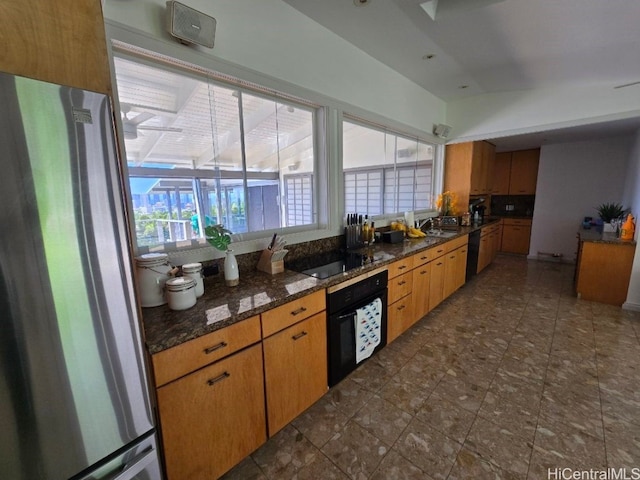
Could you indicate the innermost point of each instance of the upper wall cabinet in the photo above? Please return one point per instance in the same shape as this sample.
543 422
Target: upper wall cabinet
516 173
469 170
57 41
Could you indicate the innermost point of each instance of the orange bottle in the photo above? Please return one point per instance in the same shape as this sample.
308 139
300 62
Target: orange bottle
628 229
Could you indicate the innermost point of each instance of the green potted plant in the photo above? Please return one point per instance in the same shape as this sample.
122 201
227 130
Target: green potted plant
608 212
220 238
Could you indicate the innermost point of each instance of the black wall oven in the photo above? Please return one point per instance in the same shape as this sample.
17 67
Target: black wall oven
343 301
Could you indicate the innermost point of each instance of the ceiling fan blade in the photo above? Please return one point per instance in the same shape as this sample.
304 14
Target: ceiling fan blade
160 129
141 117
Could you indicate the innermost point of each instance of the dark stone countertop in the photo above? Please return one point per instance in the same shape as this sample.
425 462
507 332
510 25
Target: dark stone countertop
594 236
221 306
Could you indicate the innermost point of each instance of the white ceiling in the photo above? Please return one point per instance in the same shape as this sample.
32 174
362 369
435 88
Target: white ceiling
486 46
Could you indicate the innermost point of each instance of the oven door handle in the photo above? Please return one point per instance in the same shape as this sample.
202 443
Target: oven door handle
345 316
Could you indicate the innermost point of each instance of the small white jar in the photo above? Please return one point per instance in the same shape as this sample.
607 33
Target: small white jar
181 293
194 270
153 270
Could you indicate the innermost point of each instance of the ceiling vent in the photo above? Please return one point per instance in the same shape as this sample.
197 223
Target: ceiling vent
190 26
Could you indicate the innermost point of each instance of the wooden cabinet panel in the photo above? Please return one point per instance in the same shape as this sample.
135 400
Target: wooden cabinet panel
399 287
401 266
420 290
436 282
286 315
515 239
455 270
213 418
468 169
423 257
58 41
524 172
501 174
399 317
175 362
295 365
603 272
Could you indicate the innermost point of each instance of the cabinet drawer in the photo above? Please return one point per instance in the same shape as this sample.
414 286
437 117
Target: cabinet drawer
178 361
400 267
286 315
422 257
400 286
451 245
437 251
517 221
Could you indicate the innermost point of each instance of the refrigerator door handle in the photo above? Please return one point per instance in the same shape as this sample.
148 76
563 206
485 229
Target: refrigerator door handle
137 464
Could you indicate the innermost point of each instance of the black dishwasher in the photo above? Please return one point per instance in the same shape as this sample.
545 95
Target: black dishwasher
472 254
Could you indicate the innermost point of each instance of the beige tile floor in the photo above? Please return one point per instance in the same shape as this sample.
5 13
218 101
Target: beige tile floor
510 376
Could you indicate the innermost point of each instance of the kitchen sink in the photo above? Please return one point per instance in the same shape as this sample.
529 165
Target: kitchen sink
439 234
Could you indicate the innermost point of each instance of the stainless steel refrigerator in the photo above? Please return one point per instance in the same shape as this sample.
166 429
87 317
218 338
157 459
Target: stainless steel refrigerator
74 398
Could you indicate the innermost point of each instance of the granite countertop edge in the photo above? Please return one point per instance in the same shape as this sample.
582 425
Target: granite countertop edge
593 236
222 306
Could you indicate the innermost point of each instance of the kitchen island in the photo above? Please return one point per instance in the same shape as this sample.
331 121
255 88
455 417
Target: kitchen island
603 267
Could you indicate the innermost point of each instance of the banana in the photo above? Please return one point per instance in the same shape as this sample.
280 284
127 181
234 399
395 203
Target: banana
416 233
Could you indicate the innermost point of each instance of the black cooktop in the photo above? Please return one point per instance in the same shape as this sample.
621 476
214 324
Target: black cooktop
328 264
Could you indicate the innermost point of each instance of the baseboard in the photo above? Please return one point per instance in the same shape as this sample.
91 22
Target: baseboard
631 306
550 259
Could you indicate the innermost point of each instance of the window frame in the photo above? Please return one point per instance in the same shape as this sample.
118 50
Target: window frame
319 214
436 164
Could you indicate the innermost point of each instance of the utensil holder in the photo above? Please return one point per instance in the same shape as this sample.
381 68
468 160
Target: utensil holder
272 262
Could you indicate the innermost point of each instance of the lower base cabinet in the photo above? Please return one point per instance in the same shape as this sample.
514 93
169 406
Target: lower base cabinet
295 364
214 417
516 235
436 282
399 317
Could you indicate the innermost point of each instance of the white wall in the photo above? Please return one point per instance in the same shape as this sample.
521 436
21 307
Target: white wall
271 39
573 179
510 113
631 199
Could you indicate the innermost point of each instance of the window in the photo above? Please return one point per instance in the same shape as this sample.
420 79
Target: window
203 150
385 172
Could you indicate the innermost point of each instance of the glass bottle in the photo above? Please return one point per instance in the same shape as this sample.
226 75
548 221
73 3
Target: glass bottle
231 274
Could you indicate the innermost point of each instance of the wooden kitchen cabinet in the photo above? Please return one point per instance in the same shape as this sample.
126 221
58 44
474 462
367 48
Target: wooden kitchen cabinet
603 271
400 317
468 170
295 365
490 240
58 41
214 417
515 173
399 307
436 282
516 235
455 265
420 289
524 172
501 174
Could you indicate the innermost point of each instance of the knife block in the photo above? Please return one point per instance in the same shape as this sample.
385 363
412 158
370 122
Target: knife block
268 264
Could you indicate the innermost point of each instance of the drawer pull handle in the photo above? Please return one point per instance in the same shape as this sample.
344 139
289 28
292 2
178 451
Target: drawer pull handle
299 335
439 251
209 350
402 267
439 263
298 311
219 378
401 283
424 258
424 271
401 307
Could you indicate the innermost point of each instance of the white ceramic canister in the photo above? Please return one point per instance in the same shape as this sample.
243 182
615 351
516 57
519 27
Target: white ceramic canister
153 270
181 293
194 270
